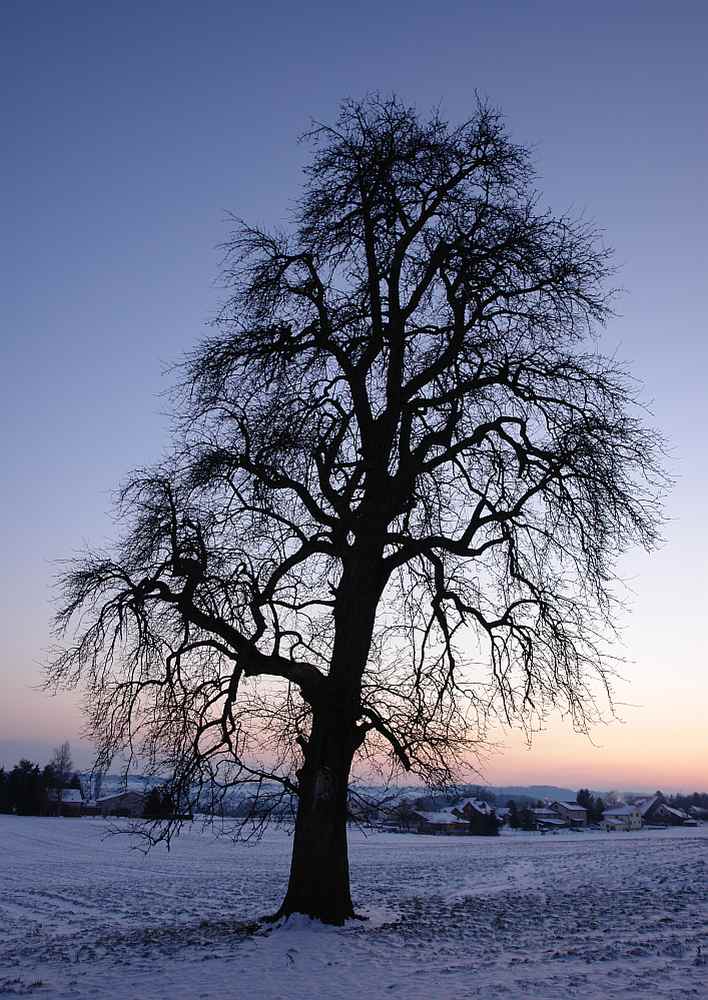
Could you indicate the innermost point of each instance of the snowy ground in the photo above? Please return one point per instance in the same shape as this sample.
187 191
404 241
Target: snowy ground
519 916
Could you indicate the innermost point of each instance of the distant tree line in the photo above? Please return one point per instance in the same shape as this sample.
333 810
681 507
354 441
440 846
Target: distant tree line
696 800
25 789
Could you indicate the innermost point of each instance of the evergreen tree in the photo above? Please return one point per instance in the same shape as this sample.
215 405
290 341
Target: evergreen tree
27 791
484 824
514 821
50 778
5 806
585 799
594 806
527 820
598 809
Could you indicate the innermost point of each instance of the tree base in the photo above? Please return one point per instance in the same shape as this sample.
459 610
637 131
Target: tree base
331 919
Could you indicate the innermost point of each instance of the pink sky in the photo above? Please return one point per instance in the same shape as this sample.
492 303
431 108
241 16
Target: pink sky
661 742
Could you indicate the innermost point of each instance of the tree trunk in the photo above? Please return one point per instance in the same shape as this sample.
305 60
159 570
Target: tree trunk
319 870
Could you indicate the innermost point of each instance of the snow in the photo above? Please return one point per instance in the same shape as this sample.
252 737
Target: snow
439 817
574 915
116 796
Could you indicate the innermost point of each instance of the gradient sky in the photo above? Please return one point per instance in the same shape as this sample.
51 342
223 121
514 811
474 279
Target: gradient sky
131 129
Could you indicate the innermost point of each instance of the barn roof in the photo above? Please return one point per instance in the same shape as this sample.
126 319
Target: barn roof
482 807
437 817
644 805
679 813
119 795
621 811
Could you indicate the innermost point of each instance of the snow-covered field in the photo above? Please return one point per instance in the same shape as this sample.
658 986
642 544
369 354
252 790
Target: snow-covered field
523 916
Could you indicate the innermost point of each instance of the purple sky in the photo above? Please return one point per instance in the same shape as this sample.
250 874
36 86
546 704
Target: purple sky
131 129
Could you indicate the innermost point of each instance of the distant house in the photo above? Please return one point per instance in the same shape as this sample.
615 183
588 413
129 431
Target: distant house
655 810
670 815
120 804
64 802
575 815
438 822
472 808
622 818
560 815
481 817
547 818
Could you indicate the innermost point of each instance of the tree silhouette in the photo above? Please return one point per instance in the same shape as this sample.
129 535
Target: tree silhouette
593 805
514 821
26 791
395 460
5 803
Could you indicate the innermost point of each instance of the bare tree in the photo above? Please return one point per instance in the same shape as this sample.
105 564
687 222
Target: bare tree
399 486
60 768
61 764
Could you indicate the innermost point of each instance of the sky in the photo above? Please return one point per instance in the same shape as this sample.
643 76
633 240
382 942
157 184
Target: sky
131 130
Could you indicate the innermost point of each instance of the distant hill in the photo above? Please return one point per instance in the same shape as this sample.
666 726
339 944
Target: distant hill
529 791
137 782
112 783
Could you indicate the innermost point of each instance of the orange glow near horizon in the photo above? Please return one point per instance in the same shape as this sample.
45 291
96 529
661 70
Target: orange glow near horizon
662 741
649 750
631 756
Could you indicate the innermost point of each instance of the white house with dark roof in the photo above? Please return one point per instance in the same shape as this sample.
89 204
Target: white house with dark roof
622 818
